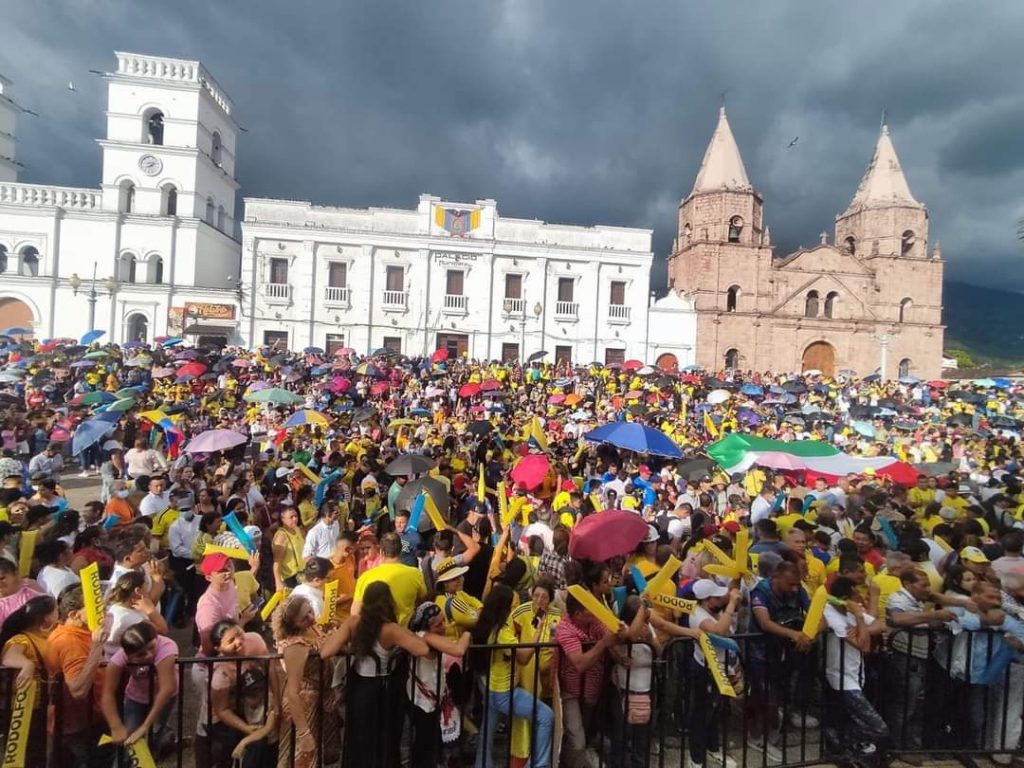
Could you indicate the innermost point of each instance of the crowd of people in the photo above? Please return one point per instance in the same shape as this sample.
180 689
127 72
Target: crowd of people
384 560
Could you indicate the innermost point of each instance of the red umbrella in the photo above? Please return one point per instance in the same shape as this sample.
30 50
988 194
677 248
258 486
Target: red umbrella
531 470
938 384
339 384
607 534
439 356
632 365
468 390
490 385
379 388
192 369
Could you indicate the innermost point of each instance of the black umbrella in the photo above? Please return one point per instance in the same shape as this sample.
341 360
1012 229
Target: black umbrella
536 356
407 497
410 464
1004 421
795 387
694 469
363 413
959 420
480 428
863 411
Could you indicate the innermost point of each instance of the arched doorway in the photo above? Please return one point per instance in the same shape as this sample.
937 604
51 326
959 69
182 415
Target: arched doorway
820 356
138 328
668 362
15 313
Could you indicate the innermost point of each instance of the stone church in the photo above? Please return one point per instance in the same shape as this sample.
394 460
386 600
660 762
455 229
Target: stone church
870 301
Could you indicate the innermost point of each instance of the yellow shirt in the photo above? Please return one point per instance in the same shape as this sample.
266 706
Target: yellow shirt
307 514
501 661
919 498
406 584
959 504
888 586
460 612
162 525
247 588
292 562
785 522
816 574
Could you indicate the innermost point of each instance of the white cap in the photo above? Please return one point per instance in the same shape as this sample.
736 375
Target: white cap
705 588
652 535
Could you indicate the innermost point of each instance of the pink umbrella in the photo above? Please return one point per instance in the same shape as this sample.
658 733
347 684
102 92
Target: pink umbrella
213 440
607 534
256 386
468 390
240 362
379 388
339 384
531 470
344 351
556 399
162 373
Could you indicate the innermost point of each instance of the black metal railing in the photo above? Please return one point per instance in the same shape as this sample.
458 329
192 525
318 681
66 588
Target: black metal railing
916 694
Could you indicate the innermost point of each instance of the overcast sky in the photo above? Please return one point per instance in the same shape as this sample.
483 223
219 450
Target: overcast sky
571 111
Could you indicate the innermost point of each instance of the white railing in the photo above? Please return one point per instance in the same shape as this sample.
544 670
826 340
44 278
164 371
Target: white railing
281 291
567 309
59 197
514 306
160 68
336 295
455 303
619 312
395 299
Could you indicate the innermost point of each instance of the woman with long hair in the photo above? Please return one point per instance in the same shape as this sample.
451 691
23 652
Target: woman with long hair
374 686
129 604
287 550
495 627
149 660
309 720
23 640
207 502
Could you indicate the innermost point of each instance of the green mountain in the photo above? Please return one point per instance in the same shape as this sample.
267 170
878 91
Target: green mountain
986 323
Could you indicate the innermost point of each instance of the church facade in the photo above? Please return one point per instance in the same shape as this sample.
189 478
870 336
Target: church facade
869 301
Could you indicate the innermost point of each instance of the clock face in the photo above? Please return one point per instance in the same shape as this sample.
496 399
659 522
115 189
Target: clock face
150 165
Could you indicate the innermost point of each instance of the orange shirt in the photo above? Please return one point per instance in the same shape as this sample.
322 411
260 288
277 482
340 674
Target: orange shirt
122 509
67 649
345 573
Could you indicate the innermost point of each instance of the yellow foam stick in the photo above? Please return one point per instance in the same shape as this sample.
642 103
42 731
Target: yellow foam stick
313 477
26 550
663 577
812 621
716 667
21 722
92 592
330 603
579 451
233 552
592 604
596 501
139 751
735 568
742 547
514 508
268 609
943 543
481 486
432 513
502 504
680 604
717 569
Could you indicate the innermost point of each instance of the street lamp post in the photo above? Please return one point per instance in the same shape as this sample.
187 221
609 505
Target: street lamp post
110 284
509 306
883 342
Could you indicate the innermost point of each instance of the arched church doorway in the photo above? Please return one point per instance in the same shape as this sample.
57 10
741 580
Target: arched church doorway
138 328
15 313
668 362
820 356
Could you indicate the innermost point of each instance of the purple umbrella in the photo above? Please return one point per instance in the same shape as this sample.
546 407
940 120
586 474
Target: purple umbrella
256 386
214 440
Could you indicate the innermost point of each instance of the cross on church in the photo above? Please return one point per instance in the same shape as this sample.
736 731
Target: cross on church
824 238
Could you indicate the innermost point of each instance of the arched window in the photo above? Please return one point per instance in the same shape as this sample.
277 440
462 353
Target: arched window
811 305
221 218
830 303
905 367
3 259
851 245
732 296
735 228
156 270
905 309
127 202
153 122
732 358
29 262
170 200
216 149
687 233
907 241
209 211
126 268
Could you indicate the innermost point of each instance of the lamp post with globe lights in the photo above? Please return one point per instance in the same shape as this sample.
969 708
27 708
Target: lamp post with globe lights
110 286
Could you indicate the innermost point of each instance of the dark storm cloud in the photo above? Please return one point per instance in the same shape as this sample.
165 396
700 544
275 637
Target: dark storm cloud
575 111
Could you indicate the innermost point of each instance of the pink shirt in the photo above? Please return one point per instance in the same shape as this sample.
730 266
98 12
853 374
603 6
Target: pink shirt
138 677
10 604
215 606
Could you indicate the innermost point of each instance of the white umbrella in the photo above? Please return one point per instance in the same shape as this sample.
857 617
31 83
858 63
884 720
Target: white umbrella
717 396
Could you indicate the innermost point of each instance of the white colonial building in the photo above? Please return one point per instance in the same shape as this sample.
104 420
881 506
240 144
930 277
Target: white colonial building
450 276
153 251
158 234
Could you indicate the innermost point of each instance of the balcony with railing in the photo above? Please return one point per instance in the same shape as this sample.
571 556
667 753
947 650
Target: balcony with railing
619 314
516 307
456 304
44 196
395 299
278 293
338 295
567 310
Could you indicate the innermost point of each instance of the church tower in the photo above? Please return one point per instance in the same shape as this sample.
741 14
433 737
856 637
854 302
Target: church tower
8 121
722 255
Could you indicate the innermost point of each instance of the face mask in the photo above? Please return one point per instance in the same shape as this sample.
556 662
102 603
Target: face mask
122 494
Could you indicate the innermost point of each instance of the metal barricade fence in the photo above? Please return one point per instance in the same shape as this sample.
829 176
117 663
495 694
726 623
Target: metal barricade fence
924 693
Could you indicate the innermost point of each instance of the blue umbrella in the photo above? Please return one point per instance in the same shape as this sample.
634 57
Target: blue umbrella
172 342
635 437
909 380
90 433
751 389
90 336
15 331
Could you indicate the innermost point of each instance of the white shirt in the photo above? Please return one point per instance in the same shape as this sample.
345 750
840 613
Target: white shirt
153 504
320 540
314 596
55 580
844 664
760 508
182 534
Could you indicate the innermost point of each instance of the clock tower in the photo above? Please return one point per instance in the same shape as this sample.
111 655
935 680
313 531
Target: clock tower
170 144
